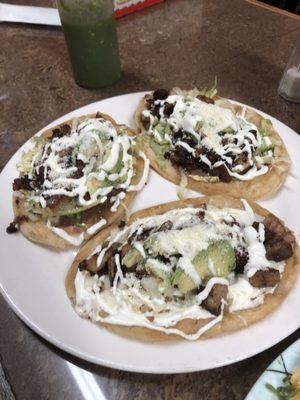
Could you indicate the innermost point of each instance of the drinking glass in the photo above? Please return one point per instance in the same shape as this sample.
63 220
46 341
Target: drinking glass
90 32
289 86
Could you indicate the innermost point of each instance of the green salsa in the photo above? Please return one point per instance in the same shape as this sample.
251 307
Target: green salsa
93 50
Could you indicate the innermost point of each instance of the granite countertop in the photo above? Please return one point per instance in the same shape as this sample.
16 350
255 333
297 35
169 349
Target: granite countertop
180 42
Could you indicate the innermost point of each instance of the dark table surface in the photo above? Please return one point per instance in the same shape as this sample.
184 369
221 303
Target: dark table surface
181 42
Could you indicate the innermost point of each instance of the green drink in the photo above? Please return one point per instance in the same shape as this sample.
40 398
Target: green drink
90 32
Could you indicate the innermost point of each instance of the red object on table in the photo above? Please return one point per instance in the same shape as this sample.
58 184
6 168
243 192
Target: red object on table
123 7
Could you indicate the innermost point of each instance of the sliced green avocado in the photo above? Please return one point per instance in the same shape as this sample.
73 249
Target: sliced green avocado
132 257
164 284
118 166
222 256
229 129
159 150
152 245
182 281
160 273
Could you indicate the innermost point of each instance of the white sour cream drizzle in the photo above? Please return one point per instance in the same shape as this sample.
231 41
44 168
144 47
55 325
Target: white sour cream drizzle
75 240
144 178
94 228
243 296
142 302
204 122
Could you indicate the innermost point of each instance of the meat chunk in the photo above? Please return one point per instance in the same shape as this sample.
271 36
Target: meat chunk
53 201
201 215
82 265
168 109
142 236
13 226
111 270
40 176
22 183
77 174
178 135
125 250
56 133
211 155
206 99
109 254
89 265
213 301
65 129
278 239
166 226
222 173
61 131
269 235
241 259
254 132
145 122
277 249
274 225
154 110
107 265
140 273
265 278
188 140
182 157
160 94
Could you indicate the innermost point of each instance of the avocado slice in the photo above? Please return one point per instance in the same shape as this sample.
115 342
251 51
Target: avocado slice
159 150
156 268
132 257
229 129
152 245
219 254
118 166
182 281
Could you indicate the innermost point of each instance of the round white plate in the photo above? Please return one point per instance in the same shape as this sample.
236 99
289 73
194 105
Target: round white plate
32 280
287 362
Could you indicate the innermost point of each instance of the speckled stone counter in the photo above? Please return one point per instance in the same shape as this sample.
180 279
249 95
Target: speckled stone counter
180 42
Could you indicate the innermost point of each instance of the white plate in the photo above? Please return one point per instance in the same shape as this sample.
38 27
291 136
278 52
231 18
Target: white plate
287 362
32 280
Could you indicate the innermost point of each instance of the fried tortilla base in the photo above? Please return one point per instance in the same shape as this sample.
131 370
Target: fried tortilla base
38 232
231 321
258 188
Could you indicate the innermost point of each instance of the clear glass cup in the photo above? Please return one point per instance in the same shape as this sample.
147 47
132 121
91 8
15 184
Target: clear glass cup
289 86
90 32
